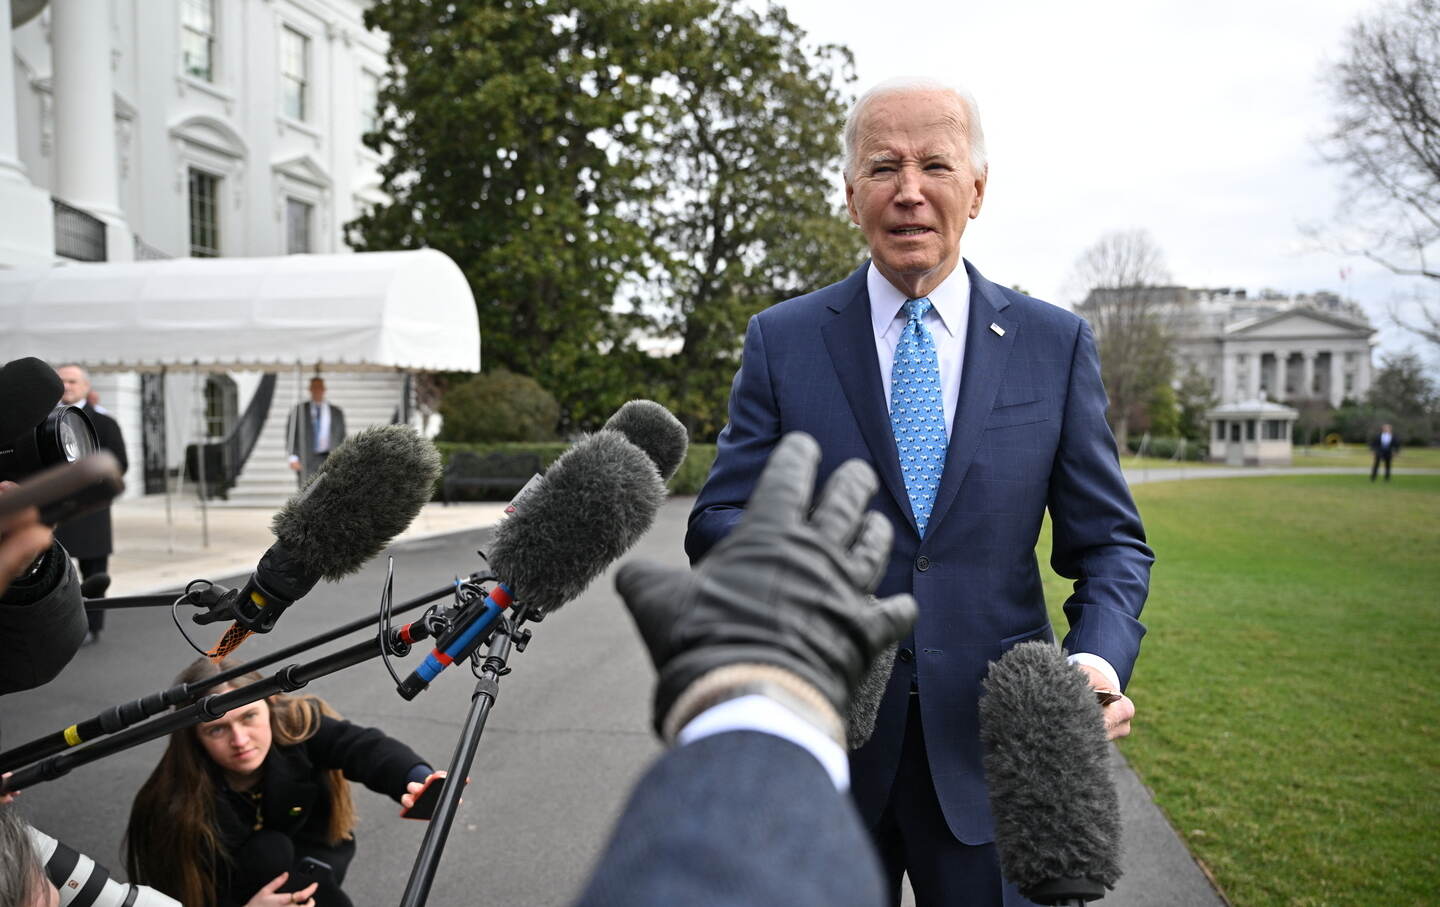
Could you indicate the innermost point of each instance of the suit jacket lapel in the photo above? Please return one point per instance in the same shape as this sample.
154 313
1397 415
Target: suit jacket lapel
986 355
850 340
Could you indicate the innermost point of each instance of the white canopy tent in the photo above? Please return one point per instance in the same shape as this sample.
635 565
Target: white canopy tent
393 311
390 310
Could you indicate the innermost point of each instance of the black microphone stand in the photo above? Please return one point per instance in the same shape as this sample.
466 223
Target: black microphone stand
118 717
507 632
288 679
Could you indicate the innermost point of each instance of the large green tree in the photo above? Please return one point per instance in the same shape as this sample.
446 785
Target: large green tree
607 171
747 164
512 130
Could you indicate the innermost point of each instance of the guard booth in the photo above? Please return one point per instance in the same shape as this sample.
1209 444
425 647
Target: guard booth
1252 433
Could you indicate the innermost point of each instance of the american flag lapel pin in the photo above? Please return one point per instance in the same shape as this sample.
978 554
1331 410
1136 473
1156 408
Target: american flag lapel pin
999 331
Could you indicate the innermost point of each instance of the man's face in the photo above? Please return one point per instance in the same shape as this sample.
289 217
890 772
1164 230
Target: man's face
239 740
317 390
76 384
913 188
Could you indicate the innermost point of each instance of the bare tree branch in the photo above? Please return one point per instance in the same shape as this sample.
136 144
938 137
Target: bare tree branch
1134 316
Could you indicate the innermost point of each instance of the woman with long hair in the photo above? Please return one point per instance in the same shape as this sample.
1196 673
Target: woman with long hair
261 792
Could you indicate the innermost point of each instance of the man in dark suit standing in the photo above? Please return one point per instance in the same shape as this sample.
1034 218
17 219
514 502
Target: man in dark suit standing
314 429
1385 446
980 408
89 538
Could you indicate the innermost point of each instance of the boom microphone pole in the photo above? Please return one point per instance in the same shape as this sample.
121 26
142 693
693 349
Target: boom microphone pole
118 717
288 679
422 875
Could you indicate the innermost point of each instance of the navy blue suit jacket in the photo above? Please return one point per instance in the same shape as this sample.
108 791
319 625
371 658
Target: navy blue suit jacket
737 818
1029 434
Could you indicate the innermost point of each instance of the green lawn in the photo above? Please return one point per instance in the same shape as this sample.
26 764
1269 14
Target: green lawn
1360 455
1288 691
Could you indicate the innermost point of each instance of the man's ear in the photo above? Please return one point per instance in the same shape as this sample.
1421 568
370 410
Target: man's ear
850 202
979 192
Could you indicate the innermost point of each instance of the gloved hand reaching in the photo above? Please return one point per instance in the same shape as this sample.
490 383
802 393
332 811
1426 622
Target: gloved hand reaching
781 606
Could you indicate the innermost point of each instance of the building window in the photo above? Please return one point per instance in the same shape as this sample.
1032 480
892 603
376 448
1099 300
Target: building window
294 73
221 405
298 217
197 38
1249 429
204 214
369 102
1274 430
1219 429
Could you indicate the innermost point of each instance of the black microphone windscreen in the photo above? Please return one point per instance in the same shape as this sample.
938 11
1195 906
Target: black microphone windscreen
592 504
369 490
653 429
1057 816
29 389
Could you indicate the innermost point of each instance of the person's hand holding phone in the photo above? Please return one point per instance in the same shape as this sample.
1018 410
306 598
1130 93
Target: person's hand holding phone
22 539
272 896
421 797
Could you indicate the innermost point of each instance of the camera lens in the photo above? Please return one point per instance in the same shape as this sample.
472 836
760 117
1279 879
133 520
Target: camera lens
76 437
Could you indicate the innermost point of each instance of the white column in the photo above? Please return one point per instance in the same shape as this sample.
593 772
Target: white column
1307 375
1253 391
1337 377
86 174
1227 377
27 231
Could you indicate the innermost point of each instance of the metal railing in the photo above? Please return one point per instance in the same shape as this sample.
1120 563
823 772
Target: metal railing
224 459
79 235
146 252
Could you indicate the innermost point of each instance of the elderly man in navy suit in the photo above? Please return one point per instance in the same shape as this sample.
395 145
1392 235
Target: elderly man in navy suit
980 408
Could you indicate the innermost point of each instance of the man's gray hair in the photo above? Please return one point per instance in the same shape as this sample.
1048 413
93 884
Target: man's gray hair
974 132
22 873
85 372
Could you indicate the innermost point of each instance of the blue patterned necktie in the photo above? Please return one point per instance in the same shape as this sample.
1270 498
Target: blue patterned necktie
917 412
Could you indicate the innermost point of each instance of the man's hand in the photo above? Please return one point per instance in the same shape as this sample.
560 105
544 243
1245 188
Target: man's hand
1117 714
788 589
294 464
22 539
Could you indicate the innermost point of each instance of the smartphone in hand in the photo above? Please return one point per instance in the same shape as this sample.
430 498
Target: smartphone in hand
425 801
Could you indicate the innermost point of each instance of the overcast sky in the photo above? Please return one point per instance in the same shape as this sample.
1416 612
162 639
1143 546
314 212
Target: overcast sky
1195 121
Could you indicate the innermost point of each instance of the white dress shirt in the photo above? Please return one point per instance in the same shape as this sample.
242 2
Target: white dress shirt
948 321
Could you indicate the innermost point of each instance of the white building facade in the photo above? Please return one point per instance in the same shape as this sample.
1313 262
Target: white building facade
136 129
188 127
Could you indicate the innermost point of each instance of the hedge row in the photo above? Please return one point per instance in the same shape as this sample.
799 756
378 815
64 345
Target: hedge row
687 479
1164 448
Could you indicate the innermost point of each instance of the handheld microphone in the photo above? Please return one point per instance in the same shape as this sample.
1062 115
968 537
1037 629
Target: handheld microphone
1057 816
590 507
370 488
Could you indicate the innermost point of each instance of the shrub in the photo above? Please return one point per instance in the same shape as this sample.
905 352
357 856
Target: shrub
686 481
1165 448
498 406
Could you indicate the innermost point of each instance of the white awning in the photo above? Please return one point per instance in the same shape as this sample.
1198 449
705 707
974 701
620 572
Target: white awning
370 310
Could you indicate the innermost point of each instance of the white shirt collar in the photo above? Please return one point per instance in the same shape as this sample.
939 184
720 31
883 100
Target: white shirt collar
951 300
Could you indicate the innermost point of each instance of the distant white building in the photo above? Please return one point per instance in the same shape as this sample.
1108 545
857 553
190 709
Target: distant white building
135 129
1271 346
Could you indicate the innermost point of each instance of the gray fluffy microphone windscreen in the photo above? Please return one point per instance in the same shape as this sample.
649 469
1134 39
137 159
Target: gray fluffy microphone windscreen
1057 816
591 505
370 489
652 428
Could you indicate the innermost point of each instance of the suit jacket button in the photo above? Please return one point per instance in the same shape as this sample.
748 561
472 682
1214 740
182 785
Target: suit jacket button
922 563
906 655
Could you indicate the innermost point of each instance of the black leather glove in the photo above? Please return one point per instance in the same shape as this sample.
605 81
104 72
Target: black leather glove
788 589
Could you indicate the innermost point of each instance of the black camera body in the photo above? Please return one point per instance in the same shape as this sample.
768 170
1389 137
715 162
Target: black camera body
36 430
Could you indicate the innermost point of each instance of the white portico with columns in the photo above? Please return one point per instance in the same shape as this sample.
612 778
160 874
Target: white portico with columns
1290 354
